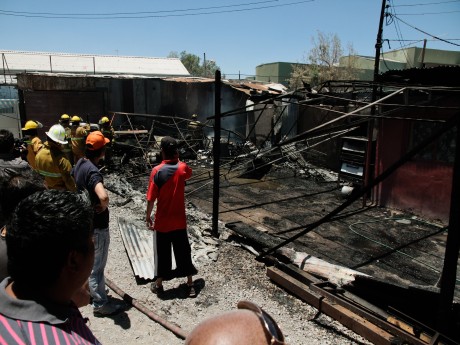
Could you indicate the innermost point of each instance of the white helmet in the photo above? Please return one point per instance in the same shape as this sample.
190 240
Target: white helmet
57 134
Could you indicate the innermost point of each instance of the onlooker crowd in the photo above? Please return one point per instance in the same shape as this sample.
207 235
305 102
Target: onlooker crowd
54 219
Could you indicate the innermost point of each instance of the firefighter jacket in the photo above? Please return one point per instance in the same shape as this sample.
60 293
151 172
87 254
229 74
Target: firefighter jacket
78 140
33 146
55 167
108 132
67 148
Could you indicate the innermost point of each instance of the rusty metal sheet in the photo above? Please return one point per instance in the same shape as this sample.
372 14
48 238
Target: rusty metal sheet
139 246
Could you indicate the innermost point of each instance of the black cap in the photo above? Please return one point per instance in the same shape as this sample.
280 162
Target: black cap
168 143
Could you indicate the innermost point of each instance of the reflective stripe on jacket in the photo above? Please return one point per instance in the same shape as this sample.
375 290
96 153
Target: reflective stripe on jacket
33 146
52 164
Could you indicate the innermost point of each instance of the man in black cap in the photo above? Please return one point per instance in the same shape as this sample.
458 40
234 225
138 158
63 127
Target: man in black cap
167 187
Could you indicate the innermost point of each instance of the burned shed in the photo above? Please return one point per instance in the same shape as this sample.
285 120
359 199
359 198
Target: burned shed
423 184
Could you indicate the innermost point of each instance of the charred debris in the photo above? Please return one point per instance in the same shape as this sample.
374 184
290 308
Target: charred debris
313 134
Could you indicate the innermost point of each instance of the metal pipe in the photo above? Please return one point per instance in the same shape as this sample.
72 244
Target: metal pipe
216 156
306 133
131 301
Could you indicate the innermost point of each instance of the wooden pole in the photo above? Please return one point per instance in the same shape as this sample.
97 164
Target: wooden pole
368 175
449 271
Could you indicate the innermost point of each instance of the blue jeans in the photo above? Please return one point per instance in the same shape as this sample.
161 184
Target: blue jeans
96 279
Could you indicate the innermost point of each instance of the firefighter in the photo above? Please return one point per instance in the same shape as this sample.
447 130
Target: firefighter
78 138
52 163
109 133
67 148
195 132
34 143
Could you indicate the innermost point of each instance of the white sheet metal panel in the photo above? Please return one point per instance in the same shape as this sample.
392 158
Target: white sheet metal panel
139 247
9 116
19 62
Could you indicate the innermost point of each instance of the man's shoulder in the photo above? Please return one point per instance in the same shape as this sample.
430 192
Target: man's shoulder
86 166
15 164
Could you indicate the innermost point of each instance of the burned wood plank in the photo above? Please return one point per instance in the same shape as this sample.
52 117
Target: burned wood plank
253 235
334 273
345 316
365 324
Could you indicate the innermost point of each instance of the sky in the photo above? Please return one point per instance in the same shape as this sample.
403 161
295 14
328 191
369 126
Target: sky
237 34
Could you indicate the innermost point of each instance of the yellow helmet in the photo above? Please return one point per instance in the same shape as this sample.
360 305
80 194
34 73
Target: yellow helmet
105 119
194 116
65 117
75 118
32 125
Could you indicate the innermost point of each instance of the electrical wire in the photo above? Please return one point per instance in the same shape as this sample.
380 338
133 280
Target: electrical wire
392 13
427 3
133 13
427 13
5 13
422 31
380 243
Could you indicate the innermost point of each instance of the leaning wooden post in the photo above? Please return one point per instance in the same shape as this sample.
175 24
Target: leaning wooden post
216 156
449 271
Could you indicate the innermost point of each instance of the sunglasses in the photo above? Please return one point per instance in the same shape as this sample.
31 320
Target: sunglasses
271 328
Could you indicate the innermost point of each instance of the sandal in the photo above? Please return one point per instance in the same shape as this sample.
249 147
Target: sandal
157 289
191 291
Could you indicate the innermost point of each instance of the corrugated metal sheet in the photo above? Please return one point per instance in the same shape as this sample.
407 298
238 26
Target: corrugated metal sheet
92 64
7 105
139 246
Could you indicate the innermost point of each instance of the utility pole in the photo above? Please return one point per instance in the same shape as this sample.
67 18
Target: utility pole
370 124
422 63
378 46
204 64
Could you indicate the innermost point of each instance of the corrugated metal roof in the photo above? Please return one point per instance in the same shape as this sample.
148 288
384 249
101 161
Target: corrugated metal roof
433 76
139 246
17 61
249 87
8 103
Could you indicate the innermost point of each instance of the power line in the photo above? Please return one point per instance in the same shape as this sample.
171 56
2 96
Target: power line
398 33
419 40
426 33
141 12
74 16
426 13
427 3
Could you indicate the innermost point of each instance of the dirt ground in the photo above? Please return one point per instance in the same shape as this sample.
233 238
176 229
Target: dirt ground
234 275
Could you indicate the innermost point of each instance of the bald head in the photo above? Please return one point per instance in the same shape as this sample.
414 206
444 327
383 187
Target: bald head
241 327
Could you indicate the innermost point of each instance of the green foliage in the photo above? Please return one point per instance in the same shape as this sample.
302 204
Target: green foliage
194 66
323 63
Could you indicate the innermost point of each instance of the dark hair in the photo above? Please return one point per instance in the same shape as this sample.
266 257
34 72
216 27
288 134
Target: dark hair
16 185
170 153
94 153
169 146
32 132
6 141
45 227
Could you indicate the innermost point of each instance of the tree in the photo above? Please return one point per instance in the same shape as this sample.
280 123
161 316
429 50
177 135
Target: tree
323 62
194 66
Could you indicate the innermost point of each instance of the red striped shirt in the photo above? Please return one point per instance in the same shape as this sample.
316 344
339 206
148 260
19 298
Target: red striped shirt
26 322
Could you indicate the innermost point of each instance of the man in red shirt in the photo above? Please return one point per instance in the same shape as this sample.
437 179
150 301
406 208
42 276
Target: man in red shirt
167 187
